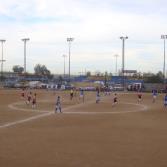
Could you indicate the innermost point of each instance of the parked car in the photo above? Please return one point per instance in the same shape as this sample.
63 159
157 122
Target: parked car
88 88
118 87
67 87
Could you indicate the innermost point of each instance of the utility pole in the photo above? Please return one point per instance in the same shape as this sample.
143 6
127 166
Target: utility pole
164 37
123 59
69 40
25 41
116 71
2 60
64 56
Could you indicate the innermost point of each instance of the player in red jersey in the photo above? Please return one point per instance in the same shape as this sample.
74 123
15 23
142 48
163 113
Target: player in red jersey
139 96
29 98
34 101
23 94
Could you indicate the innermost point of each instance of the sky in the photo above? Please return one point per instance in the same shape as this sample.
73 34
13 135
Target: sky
96 27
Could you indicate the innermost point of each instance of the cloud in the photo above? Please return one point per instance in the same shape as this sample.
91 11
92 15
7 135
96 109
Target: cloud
96 26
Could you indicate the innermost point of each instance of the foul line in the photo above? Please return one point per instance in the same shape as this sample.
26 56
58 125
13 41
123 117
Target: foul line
25 120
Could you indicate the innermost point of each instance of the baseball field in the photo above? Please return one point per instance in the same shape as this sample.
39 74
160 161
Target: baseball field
129 134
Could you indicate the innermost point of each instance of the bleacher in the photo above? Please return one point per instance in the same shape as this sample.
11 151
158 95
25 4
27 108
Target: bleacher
119 80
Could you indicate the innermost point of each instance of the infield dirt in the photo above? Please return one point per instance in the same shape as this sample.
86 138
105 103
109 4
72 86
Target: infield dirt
86 134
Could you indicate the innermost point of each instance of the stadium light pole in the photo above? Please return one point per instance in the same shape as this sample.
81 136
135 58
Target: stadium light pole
2 60
25 41
64 56
123 58
69 40
164 37
116 56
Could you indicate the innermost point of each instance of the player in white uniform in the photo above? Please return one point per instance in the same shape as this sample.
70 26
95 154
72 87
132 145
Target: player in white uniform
58 105
97 96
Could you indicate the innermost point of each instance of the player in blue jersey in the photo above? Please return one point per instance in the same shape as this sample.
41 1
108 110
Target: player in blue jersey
154 95
165 100
81 95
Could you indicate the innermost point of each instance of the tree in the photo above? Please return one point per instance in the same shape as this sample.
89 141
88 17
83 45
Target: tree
60 79
105 78
18 69
160 75
88 74
153 78
98 74
41 70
